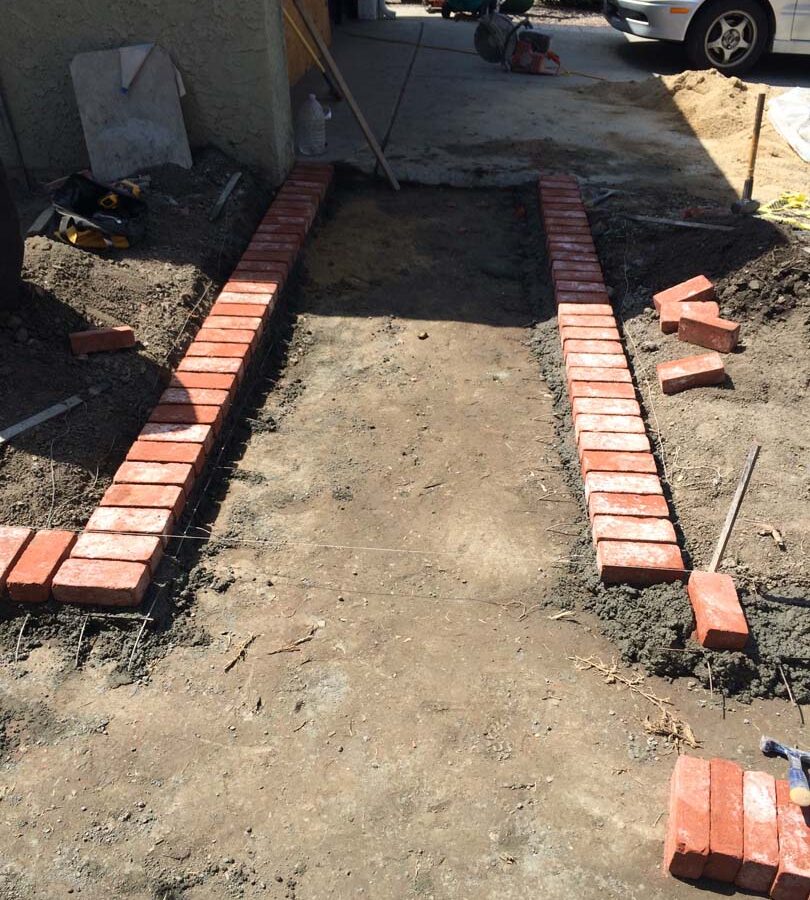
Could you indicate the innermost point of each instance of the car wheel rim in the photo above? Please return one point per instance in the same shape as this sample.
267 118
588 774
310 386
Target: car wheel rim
730 39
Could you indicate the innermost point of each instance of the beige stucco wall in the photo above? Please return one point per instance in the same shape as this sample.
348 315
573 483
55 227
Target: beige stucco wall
231 54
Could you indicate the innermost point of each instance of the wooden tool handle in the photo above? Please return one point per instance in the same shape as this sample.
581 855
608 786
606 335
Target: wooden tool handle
734 509
752 160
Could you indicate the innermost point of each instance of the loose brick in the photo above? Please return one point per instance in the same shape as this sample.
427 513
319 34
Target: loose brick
199 348
13 540
698 288
614 348
178 474
101 582
149 496
643 505
606 389
760 840
245 325
598 373
633 528
212 365
196 397
154 451
188 414
127 520
606 424
138 548
792 880
229 308
726 815
184 434
30 579
671 313
584 319
622 483
575 333
616 441
596 361
598 406
220 381
690 372
227 336
719 617
639 564
712 332
616 461
686 847
100 340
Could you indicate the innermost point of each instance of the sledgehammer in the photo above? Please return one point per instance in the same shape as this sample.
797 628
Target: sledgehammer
797 779
745 205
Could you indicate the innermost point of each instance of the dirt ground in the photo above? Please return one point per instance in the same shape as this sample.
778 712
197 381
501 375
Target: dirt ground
390 548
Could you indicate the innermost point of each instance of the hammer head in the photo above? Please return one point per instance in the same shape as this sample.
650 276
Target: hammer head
770 747
745 207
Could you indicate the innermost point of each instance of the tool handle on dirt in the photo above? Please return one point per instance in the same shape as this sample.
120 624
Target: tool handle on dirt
797 781
333 89
748 187
734 509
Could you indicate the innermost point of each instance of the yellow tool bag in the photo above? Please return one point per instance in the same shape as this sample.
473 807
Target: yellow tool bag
98 216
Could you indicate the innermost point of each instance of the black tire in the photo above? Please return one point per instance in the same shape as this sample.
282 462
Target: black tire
11 243
445 10
716 35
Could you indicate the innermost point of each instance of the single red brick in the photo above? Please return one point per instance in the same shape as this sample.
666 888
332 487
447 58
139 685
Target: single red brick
30 579
671 313
639 564
278 228
563 214
139 548
304 211
726 814
719 617
621 442
128 520
212 365
584 320
622 483
715 333
260 273
180 433
616 461
596 361
286 242
188 414
633 528
179 474
197 397
200 349
218 336
698 288
562 257
579 272
224 308
246 326
690 372
255 259
792 880
561 200
618 389
300 193
13 540
219 381
598 373
686 847
565 232
102 339
597 296
101 582
614 348
760 836
606 424
149 496
311 186
245 284
260 296
579 287
277 216
575 333
571 245
643 505
605 407
154 451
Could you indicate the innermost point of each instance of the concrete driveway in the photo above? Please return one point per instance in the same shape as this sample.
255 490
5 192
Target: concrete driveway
446 116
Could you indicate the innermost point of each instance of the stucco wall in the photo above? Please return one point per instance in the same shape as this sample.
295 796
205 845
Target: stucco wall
231 54
298 59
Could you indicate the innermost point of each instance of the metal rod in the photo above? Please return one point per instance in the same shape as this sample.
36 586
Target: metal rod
734 509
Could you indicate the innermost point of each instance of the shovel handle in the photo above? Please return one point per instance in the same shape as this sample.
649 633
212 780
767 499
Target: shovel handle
752 160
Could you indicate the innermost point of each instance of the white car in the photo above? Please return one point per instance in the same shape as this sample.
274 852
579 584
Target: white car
728 35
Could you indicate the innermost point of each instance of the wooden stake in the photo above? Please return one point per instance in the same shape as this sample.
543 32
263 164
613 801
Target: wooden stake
734 509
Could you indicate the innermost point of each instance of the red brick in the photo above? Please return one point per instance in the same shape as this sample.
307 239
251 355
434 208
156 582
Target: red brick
671 313
227 308
179 474
227 336
598 406
571 245
712 332
561 200
154 451
188 414
212 365
219 381
180 433
274 217
584 319
726 814
259 296
13 540
227 317
616 441
30 579
792 880
614 348
255 259
138 548
622 483
616 461
128 520
633 528
598 373
279 228
596 296
719 617
579 287
572 271
312 185
286 242
299 193
690 372
242 329
760 840
686 847
575 333
619 390
247 285
698 288
639 564
221 350
260 273
643 505
564 257
148 496
303 211
564 232
196 397
101 582
102 339
606 424
596 361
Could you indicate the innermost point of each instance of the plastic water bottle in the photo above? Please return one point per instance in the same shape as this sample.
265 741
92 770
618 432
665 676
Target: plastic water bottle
312 120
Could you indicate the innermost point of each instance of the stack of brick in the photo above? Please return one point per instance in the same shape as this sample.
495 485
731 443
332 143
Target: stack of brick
736 827
632 529
113 562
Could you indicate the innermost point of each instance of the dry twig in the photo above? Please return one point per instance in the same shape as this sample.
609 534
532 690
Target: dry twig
242 651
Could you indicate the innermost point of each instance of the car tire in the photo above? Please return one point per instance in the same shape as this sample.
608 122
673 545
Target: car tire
720 29
446 10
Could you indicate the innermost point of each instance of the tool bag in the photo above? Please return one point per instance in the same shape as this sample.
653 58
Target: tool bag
98 216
